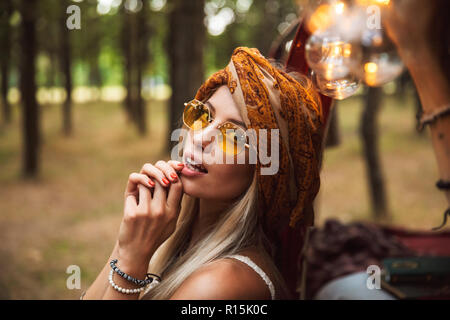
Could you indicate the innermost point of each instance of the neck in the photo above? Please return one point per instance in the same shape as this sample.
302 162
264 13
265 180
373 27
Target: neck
208 213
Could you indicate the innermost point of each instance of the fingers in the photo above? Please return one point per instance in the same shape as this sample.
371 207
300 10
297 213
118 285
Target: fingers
168 170
174 196
177 165
166 174
134 179
176 189
159 197
130 204
144 197
163 172
156 173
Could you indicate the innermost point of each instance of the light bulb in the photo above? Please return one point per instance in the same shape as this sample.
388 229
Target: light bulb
327 55
375 60
338 89
322 14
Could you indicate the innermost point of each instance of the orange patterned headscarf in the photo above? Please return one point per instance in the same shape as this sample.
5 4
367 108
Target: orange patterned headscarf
269 98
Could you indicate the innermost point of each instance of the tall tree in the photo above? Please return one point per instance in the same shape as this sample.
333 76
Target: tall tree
30 110
47 38
333 137
185 45
369 134
142 39
65 65
125 45
267 26
6 9
135 38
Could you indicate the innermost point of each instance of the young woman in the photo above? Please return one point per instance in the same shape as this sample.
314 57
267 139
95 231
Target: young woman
212 229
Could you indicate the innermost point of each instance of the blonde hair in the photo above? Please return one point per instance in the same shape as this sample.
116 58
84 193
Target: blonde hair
238 228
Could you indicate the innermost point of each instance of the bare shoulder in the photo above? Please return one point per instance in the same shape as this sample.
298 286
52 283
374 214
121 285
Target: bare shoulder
223 279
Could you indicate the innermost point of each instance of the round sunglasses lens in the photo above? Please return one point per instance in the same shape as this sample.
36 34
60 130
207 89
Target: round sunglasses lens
232 140
196 115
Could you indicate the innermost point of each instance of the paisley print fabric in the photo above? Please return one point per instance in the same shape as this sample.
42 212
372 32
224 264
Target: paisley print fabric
269 98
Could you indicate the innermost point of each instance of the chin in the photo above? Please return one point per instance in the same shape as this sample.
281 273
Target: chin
198 189
192 188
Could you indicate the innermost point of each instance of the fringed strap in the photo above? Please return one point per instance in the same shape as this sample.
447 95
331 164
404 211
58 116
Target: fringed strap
446 214
426 119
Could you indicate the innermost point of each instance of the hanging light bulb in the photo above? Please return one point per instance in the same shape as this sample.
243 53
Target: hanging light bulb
325 50
338 89
374 59
322 14
327 55
346 47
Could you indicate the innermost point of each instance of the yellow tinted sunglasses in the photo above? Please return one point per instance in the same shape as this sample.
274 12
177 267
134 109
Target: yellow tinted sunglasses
232 139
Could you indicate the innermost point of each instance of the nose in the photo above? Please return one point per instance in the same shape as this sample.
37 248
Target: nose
205 137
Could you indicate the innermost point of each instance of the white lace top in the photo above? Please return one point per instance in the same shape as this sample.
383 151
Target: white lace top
257 269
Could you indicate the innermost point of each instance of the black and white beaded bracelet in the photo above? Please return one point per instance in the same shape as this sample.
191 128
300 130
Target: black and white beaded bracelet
125 290
142 283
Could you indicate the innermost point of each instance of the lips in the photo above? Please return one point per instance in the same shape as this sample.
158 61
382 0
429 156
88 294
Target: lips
194 167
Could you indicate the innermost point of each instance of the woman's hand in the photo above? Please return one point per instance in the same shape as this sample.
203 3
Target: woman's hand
149 217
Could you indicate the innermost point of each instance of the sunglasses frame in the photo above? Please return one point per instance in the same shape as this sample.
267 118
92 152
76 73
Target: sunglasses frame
211 119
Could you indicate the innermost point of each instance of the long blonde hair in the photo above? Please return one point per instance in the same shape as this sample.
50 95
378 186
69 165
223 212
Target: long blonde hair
238 228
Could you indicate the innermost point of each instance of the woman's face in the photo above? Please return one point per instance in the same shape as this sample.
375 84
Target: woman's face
224 179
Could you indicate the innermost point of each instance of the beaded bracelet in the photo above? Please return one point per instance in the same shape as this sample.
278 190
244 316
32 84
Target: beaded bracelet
129 291
123 290
142 283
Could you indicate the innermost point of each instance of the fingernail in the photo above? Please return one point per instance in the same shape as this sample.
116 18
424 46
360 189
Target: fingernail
151 183
181 164
165 181
174 176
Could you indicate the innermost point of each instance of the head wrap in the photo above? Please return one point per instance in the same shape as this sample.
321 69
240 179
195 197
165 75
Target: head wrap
269 98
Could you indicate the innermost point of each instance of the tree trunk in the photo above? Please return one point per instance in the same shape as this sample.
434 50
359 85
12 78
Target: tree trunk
65 62
30 112
402 83
135 41
369 133
419 110
266 28
125 44
333 137
5 44
95 77
186 43
141 45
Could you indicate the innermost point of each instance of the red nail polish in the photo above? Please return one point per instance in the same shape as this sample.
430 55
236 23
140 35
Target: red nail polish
174 176
180 164
165 181
150 182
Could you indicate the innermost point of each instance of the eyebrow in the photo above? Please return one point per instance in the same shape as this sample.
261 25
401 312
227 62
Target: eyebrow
239 123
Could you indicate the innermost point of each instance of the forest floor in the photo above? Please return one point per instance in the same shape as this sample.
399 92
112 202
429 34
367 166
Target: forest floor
70 215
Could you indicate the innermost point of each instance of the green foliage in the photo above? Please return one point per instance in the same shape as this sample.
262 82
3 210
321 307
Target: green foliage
97 56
